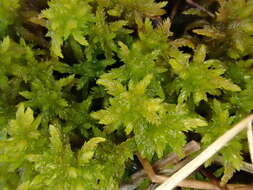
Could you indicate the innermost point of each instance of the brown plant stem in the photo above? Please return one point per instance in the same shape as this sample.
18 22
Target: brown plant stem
210 151
176 167
188 183
247 167
174 10
172 158
212 178
191 2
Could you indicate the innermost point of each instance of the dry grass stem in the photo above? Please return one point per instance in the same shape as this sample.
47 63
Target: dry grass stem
172 158
184 172
191 2
189 183
250 140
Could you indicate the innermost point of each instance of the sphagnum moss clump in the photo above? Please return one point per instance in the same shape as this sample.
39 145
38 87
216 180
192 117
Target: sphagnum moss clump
87 84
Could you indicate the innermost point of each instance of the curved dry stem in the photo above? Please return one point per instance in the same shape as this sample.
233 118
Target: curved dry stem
184 172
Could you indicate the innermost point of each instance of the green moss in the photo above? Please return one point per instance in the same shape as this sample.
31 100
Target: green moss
114 81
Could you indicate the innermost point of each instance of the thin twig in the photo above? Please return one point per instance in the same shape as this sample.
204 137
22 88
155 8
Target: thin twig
247 167
205 185
212 178
250 140
200 7
139 176
150 172
172 158
187 183
176 167
175 179
174 10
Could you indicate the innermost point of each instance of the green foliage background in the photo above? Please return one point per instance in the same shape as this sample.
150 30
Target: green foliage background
86 84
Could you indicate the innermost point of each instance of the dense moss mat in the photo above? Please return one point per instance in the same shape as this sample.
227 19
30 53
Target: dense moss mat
86 84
